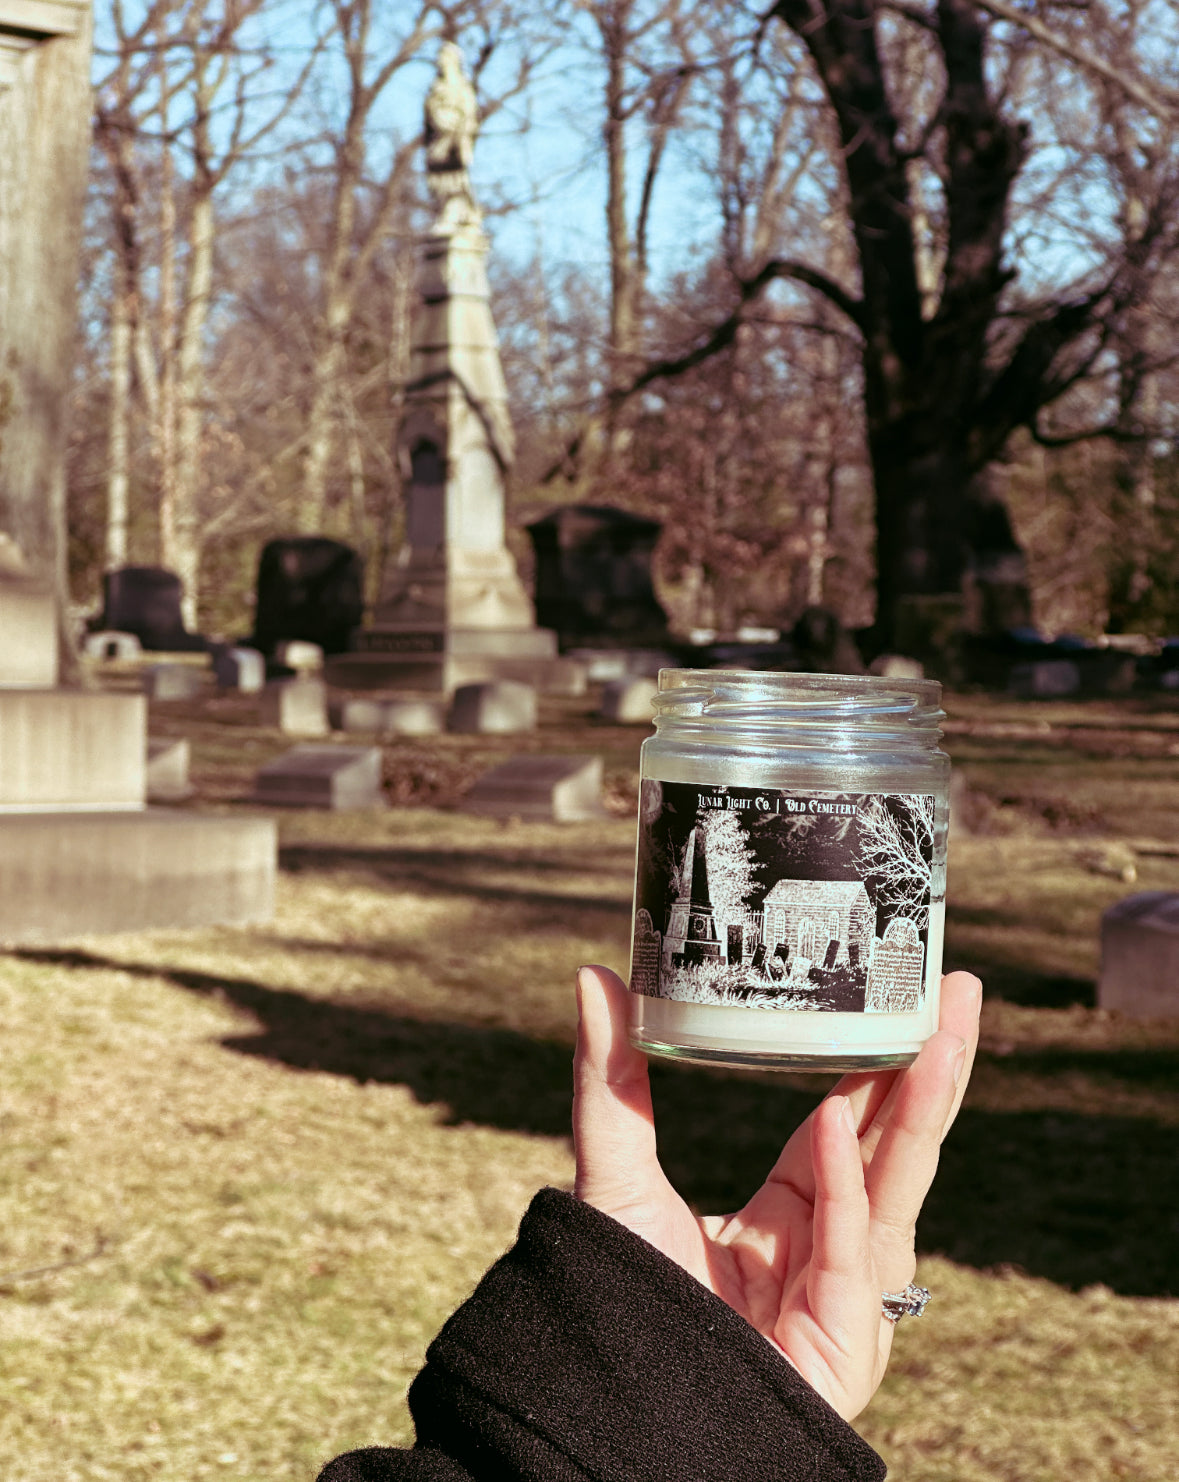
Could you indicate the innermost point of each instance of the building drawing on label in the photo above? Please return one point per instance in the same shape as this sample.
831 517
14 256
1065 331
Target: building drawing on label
645 955
896 973
830 922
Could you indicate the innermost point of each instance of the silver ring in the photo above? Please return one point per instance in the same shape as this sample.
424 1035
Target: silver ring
909 1303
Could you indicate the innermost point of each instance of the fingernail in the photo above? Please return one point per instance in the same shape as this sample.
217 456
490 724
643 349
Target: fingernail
959 1061
848 1118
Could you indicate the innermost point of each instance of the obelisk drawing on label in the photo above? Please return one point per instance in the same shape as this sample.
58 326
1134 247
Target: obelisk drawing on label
777 900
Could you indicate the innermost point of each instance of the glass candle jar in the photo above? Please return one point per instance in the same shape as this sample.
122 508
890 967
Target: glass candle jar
790 874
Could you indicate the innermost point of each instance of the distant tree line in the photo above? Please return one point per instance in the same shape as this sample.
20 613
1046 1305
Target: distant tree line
918 360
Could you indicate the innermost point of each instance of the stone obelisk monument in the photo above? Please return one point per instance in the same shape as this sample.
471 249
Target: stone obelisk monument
454 610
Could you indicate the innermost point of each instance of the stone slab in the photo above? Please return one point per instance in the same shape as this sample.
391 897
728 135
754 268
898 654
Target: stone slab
72 750
167 770
173 681
500 707
64 876
1140 956
334 777
629 701
384 715
28 634
298 707
563 789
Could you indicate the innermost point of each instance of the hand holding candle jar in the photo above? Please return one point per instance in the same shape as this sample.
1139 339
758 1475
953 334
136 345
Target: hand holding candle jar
790 874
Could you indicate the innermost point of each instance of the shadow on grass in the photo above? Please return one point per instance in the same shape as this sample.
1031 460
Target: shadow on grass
1076 1199
1005 969
445 872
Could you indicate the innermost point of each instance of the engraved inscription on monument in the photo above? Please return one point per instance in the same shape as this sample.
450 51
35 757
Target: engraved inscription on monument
896 971
645 953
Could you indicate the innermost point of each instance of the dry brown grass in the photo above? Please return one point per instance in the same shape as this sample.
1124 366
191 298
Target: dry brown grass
266 1164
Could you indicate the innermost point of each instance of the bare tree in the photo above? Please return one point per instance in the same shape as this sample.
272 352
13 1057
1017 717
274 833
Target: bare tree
188 96
896 853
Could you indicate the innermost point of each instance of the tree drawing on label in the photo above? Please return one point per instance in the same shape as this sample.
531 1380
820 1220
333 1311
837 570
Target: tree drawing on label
896 853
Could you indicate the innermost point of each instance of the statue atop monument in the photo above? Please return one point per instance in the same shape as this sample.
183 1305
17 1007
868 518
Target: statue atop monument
451 124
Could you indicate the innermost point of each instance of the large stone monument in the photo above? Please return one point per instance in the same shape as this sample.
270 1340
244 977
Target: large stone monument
45 106
455 609
80 852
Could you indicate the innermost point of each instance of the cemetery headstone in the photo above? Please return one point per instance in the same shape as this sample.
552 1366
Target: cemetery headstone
646 950
895 970
298 707
300 655
337 777
896 666
111 646
242 669
628 701
309 588
593 576
145 600
1140 956
564 789
496 707
28 632
67 874
67 750
173 681
386 716
167 770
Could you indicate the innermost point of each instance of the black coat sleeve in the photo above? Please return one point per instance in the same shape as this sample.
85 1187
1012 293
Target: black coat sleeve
584 1353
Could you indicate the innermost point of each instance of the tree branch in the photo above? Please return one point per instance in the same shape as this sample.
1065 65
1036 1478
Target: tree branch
1162 105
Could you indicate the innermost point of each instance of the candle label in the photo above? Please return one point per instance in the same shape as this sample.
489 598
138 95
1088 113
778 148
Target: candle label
780 900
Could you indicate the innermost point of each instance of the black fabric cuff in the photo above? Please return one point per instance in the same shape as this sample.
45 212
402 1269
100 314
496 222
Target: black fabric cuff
586 1353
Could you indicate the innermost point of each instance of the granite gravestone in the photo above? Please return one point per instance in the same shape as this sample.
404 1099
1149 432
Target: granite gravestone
311 588
323 777
167 770
593 576
386 715
497 707
297 707
629 701
1140 956
145 600
563 789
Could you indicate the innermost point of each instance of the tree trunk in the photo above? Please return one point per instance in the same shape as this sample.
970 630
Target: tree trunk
924 360
118 442
186 555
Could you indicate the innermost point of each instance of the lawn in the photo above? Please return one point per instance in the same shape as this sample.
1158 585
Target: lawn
244 1175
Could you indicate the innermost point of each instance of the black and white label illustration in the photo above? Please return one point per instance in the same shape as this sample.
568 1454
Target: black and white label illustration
778 900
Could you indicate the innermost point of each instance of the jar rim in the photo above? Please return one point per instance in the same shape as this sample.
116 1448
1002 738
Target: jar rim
768 695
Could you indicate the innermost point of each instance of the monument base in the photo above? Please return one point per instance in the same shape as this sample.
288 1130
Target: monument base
439 660
67 875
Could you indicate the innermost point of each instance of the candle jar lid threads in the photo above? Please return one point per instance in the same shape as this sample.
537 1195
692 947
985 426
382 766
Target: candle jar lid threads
790 871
